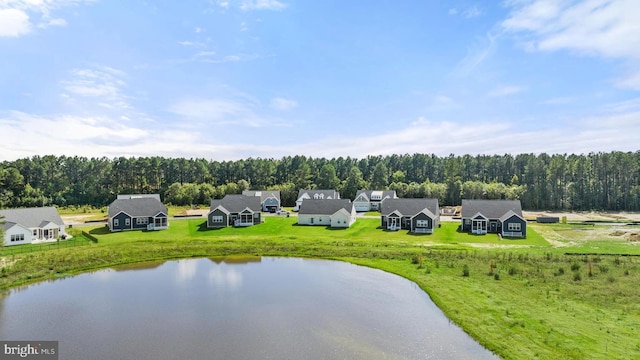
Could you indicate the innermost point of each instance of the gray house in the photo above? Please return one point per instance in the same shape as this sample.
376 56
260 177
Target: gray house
370 199
269 199
234 210
24 226
138 212
415 215
493 216
315 195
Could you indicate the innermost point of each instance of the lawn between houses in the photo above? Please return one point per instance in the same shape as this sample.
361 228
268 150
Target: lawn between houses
522 299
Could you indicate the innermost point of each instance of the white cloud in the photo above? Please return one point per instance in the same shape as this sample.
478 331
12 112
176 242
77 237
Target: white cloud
476 55
441 99
262 5
15 15
223 4
102 81
631 81
453 11
472 12
282 104
616 128
505 91
237 111
606 28
14 23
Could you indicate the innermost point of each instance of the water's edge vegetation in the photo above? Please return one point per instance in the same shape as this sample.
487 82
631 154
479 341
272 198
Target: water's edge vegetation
521 302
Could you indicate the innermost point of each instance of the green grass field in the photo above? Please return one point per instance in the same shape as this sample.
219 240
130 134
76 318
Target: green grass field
523 299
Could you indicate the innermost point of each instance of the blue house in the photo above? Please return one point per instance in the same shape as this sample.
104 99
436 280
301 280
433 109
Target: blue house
138 212
502 217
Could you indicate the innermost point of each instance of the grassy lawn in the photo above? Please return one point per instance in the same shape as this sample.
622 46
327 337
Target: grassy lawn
523 299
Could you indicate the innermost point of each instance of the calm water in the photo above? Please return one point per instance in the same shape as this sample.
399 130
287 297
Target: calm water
269 308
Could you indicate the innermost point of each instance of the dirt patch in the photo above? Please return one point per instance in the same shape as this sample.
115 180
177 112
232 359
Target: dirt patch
633 237
585 216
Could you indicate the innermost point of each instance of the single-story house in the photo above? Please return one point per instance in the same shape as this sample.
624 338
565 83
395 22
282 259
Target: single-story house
494 216
336 213
416 215
234 210
315 195
269 199
370 199
24 226
138 212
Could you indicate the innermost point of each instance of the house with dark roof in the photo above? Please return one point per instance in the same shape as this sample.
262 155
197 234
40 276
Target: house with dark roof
367 200
493 216
415 215
335 213
234 210
315 195
24 226
269 199
138 212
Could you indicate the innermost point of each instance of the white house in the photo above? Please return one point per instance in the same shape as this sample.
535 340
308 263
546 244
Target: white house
367 200
24 226
315 195
336 213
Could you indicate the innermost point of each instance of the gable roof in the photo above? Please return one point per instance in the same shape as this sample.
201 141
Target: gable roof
137 206
326 194
236 203
325 207
492 209
31 217
508 215
378 194
409 207
263 194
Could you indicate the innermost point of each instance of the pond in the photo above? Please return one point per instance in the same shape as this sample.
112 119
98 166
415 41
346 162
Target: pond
255 308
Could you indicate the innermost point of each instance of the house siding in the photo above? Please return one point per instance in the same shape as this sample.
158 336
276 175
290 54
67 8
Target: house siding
17 230
217 212
515 220
270 205
421 216
121 217
314 219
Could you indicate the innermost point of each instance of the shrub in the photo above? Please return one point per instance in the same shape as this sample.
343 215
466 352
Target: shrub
465 270
577 277
496 276
513 270
575 266
560 271
603 268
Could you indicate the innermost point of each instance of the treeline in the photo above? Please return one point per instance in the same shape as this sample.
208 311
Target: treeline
596 181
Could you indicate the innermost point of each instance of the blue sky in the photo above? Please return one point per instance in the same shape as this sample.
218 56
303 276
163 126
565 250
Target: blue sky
232 79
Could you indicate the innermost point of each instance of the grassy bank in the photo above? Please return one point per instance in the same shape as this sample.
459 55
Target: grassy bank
522 299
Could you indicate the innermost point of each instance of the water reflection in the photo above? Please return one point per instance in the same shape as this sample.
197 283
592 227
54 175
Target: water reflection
219 308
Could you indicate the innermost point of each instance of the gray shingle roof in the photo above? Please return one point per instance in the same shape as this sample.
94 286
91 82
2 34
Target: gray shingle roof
325 207
492 209
237 203
32 217
263 194
137 207
134 196
409 207
333 194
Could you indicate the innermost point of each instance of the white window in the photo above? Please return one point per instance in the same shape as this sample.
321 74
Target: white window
216 218
35 232
513 226
422 223
127 221
17 237
116 222
142 221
